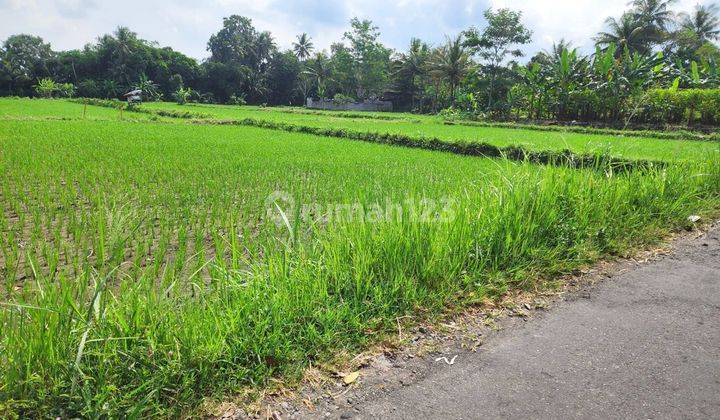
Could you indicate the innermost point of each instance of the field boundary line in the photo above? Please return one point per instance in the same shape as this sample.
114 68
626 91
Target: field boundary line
660 135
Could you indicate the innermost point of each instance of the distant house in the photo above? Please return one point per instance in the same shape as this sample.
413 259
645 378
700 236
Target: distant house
134 96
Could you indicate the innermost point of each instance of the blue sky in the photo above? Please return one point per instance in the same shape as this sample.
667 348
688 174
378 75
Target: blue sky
186 25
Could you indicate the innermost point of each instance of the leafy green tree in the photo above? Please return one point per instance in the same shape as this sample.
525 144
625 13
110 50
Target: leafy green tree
123 54
534 87
282 78
567 73
24 58
497 42
66 90
655 15
245 55
409 71
149 88
239 43
223 80
343 70
183 95
111 88
321 71
371 58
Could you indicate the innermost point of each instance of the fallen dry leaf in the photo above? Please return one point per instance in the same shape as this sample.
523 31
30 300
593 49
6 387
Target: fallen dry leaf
351 377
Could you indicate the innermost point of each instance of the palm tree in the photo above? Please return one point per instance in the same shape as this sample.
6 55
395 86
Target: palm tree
626 33
654 14
111 88
703 22
413 65
416 57
303 47
320 68
558 48
124 44
149 88
451 63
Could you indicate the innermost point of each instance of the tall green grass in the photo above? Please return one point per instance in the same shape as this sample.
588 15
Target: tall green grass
143 273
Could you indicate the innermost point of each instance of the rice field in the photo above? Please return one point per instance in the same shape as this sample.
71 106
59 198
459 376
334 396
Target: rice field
627 147
44 109
150 265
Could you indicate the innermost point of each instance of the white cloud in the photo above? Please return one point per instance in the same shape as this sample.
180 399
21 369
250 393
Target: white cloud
573 20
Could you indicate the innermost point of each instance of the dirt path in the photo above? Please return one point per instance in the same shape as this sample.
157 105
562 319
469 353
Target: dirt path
644 343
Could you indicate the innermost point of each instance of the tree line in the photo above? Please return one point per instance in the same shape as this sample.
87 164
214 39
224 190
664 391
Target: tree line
475 74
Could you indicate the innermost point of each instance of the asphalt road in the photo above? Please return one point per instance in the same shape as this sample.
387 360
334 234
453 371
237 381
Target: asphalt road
642 345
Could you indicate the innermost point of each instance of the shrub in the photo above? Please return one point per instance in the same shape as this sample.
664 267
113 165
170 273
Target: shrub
343 99
237 100
183 95
46 87
66 90
671 106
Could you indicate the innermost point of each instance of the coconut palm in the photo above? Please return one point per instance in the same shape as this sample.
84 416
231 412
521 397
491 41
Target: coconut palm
451 63
703 22
558 48
414 61
628 33
123 46
654 14
412 66
320 68
149 88
303 47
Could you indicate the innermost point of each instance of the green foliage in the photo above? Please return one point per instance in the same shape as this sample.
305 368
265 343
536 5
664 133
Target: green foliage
341 99
158 278
683 106
410 73
450 64
237 100
183 95
371 59
303 47
46 87
497 42
66 90
24 58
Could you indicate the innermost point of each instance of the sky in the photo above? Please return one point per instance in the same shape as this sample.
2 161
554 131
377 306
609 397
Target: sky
186 25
